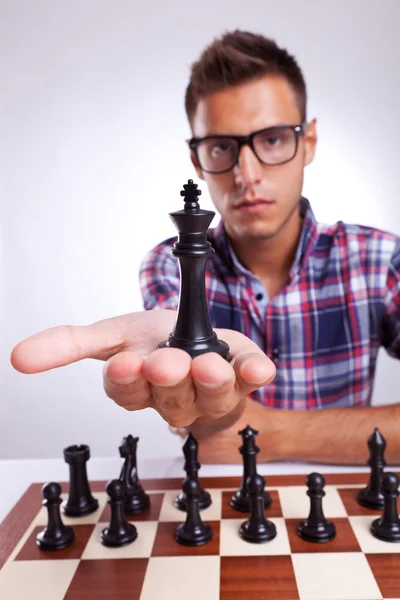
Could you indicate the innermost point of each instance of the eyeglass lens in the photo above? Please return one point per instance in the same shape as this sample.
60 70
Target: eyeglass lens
272 146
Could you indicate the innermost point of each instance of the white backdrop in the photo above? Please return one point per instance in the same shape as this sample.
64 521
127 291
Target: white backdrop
93 158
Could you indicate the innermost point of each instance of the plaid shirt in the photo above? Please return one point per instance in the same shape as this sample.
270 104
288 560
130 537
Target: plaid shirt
323 330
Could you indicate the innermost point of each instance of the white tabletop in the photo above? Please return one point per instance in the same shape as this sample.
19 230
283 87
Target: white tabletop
17 475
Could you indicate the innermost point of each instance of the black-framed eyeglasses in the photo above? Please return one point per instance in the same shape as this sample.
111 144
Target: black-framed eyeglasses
272 146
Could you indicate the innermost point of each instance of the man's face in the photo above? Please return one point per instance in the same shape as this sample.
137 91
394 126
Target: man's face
254 200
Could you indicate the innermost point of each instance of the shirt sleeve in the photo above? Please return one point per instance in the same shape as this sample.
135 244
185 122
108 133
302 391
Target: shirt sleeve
159 279
391 317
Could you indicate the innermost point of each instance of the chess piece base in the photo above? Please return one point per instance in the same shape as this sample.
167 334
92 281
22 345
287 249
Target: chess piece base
240 501
109 538
198 537
137 503
65 540
382 533
371 499
204 500
265 532
79 510
197 347
320 533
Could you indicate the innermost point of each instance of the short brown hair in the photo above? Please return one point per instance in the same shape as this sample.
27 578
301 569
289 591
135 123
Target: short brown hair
238 57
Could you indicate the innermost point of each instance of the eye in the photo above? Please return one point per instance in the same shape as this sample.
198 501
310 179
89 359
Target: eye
220 148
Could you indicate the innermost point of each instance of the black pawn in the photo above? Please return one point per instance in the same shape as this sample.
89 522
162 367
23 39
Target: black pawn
193 331
56 535
372 496
193 532
192 466
119 532
316 528
240 500
80 500
136 499
257 529
387 527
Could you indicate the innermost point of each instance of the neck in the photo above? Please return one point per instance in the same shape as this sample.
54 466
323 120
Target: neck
271 257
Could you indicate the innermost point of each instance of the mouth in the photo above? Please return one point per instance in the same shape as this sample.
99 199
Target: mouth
255 206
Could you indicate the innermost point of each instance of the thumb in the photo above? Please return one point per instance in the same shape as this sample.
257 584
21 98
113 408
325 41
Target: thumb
253 370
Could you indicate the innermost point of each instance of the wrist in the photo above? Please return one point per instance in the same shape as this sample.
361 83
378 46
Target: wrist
278 437
204 426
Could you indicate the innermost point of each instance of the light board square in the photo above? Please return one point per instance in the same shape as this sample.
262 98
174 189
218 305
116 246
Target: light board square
368 542
140 548
335 576
47 580
295 503
194 577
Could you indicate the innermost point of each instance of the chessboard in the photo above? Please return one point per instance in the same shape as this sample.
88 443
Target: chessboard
354 565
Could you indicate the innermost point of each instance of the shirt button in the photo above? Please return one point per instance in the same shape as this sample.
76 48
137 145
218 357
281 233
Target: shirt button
259 296
275 353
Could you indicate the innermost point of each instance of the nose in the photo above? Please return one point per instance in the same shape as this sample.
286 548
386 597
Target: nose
248 170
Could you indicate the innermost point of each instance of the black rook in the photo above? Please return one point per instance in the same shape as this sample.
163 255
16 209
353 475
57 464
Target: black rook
80 500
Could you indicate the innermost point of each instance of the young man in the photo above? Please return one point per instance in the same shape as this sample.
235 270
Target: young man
319 301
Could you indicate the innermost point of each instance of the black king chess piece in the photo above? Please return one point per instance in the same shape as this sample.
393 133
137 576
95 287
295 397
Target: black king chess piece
387 527
192 330
80 500
240 500
372 496
192 466
56 535
119 532
316 528
258 529
136 499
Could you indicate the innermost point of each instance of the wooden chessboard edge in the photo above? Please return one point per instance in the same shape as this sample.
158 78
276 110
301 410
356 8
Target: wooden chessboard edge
14 525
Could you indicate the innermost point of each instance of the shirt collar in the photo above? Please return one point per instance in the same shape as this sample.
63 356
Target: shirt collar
306 243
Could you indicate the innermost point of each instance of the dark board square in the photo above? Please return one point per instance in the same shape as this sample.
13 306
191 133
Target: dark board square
166 545
230 513
151 514
345 540
386 570
257 577
30 551
106 579
349 499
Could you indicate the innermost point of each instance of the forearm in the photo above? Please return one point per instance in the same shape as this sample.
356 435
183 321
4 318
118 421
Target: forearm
336 436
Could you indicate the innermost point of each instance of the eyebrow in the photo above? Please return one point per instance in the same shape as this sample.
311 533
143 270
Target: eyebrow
288 124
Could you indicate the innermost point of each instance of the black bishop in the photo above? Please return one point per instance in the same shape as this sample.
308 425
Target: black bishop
240 500
372 496
192 466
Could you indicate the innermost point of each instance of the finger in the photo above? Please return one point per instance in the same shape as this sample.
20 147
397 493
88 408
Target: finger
168 372
123 381
62 345
65 344
214 380
253 371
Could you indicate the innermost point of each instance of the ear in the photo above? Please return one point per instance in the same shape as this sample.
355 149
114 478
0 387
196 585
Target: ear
196 165
310 142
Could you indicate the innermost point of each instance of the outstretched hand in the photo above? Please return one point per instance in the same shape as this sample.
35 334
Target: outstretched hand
137 375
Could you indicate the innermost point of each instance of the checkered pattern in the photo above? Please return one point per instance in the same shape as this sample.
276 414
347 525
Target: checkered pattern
324 330
355 565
